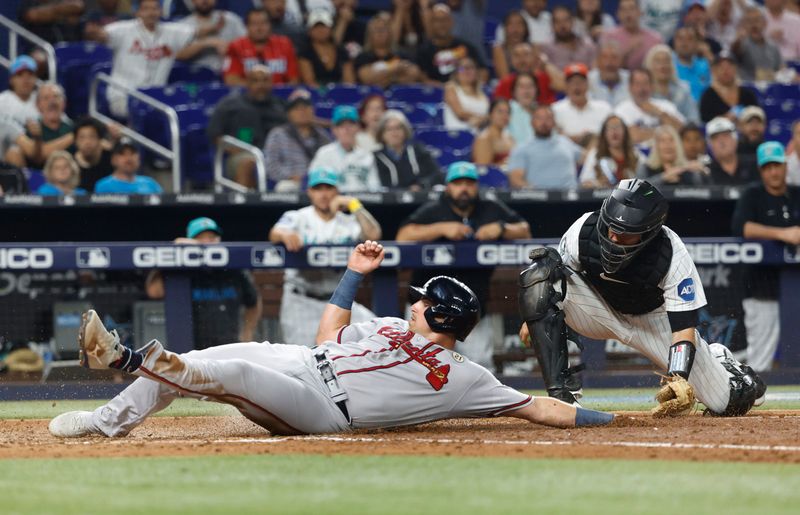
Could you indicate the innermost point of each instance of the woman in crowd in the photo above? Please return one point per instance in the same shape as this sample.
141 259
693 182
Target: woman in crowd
466 105
516 31
493 144
613 159
370 112
590 20
410 23
322 61
726 97
666 84
401 162
378 64
667 164
523 99
62 175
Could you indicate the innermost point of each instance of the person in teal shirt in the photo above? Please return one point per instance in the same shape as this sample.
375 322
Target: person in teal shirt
62 175
124 179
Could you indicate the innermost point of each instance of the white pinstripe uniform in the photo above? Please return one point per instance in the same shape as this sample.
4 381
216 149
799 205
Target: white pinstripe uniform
590 315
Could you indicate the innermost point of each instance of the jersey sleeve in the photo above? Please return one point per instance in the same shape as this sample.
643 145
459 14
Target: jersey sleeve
289 221
488 397
568 247
361 330
180 35
116 33
683 290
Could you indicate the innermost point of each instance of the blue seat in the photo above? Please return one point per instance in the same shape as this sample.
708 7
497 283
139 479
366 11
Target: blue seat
492 177
197 156
211 94
782 91
489 28
182 72
35 178
780 130
346 94
417 94
323 111
102 101
459 141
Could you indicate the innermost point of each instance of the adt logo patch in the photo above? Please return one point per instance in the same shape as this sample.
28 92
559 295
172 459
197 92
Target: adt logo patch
686 289
438 255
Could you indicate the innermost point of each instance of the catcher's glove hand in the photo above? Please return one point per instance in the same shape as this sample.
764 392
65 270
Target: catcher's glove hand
675 398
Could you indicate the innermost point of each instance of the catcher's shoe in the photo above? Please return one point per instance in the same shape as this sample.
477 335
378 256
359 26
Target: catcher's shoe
99 347
73 424
564 394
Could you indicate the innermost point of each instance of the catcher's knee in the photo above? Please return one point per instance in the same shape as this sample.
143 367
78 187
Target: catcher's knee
537 295
746 387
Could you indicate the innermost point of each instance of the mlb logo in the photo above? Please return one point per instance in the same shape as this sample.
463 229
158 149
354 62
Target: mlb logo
268 257
95 257
438 255
791 254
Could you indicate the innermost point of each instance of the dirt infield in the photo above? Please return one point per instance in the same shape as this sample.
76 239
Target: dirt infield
767 436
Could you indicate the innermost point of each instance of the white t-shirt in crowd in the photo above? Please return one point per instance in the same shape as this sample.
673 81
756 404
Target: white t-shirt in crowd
232 29
357 170
574 121
633 116
477 105
17 109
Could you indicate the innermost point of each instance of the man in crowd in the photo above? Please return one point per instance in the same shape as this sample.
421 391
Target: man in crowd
460 214
18 102
539 20
125 179
633 39
248 116
525 58
217 295
783 29
608 81
330 219
642 113
549 160
52 127
216 29
577 116
692 67
92 151
438 56
53 20
752 126
758 58
769 210
568 48
727 167
261 46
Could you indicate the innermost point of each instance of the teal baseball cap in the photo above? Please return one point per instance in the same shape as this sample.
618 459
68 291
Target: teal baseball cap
202 224
461 170
22 63
319 176
344 114
770 152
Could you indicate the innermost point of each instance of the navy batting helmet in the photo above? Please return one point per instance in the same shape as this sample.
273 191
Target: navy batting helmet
634 207
455 308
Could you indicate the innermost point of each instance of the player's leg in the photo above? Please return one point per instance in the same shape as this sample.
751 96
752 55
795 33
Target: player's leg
762 321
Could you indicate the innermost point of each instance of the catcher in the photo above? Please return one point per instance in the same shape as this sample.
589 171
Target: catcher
620 273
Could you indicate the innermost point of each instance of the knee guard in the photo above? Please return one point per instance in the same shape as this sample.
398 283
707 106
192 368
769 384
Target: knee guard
545 320
746 387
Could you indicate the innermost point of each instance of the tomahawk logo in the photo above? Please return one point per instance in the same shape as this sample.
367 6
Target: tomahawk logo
268 257
438 255
95 257
686 289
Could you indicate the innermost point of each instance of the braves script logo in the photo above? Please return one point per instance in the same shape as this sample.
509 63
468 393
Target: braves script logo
437 373
151 54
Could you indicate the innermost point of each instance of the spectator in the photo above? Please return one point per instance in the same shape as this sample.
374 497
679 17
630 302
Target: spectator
567 47
642 113
769 210
260 46
752 126
248 116
608 81
105 13
439 55
461 214
469 23
355 166
793 160
215 29
12 142
410 20
51 126
661 16
591 21
291 146
696 17
124 179
522 104
540 23
330 219
577 116
525 58
667 85
62 175
91 154
726 167
692 67
218 295
284 23
322 61
348 29
723 22
466 106
783 29
402 163
493 145
370 112
144 51
725 97
516 31
18 102
52 20
667 164
694 143
612 159
548 160
634 40
758 59
378 65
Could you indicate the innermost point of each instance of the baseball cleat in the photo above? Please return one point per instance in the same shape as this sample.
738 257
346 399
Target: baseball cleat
99 347
73 424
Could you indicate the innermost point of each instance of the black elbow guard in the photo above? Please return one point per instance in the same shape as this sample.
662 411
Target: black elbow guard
681 357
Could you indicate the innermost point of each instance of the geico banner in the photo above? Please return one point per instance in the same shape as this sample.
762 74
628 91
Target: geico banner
337 256
181 256
26 258
504 254
725 253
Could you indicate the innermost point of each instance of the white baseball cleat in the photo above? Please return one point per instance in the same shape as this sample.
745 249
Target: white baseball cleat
73 424
99 347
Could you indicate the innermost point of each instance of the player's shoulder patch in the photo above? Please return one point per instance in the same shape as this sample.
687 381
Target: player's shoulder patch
686 289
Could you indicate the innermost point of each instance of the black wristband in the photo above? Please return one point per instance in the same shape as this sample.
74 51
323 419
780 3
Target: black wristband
681 358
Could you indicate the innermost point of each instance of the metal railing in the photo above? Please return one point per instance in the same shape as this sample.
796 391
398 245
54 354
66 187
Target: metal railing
173 154
221 181
14 32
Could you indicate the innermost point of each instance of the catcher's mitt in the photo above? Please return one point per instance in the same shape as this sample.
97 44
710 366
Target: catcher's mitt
675 398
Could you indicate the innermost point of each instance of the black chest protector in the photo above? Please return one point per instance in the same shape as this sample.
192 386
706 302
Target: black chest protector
635 289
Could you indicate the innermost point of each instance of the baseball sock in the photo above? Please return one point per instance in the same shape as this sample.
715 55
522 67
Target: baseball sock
129 362
590 417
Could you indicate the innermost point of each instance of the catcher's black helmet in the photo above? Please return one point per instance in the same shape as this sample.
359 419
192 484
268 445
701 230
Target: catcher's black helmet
455 308
634 207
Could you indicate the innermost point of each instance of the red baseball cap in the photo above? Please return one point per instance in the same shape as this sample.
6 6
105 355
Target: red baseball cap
575 69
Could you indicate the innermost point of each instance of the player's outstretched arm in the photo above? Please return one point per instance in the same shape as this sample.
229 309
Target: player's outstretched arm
365 258
553 412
